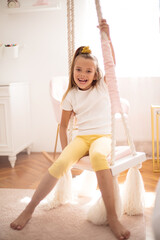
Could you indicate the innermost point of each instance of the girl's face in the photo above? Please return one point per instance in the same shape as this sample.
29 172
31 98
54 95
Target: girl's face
84 72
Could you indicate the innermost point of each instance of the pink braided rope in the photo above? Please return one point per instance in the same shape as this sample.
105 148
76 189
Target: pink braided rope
111 77
109 67
112 86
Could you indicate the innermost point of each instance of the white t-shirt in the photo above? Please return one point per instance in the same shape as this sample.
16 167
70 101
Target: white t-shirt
92 109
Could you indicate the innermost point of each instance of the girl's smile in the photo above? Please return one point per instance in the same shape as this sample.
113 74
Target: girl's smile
84 72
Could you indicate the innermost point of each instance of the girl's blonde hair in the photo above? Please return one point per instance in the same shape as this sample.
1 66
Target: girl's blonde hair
86 55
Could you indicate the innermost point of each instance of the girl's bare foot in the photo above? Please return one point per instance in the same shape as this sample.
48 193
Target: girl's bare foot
22 220
117 228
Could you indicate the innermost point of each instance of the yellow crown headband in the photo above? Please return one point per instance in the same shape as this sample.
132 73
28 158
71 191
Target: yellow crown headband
86 50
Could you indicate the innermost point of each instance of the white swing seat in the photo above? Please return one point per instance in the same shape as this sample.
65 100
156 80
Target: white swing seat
123 160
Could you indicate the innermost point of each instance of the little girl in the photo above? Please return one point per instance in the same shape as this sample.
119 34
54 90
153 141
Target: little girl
87 98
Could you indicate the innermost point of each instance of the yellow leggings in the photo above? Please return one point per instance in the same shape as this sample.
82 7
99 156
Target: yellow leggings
98 147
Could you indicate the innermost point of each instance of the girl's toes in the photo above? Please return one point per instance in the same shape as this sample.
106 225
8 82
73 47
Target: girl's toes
13 225
19 227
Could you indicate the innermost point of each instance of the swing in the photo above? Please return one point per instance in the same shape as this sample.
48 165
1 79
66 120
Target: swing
122 157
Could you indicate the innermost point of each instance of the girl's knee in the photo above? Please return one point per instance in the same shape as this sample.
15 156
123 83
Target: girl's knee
99 161
59 168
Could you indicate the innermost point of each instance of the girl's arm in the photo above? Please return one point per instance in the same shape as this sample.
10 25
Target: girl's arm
63 127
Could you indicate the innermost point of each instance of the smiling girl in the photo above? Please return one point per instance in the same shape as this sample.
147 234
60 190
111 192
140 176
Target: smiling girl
86 97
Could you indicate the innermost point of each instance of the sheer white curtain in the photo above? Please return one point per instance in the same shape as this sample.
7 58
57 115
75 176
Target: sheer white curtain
134 26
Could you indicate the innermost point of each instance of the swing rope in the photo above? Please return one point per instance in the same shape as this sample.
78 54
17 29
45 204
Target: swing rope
71 48
70 33
112 88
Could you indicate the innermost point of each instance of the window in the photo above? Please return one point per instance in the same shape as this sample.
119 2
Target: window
135 32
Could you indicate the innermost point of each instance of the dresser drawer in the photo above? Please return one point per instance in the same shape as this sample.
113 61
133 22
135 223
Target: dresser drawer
4 91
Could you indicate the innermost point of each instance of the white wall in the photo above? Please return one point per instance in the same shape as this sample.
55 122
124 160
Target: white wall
42 37
43 54
141 93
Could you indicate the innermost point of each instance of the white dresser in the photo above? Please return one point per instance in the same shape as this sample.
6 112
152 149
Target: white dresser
15 120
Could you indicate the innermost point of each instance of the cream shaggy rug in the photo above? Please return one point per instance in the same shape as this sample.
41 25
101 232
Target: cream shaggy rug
67 222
